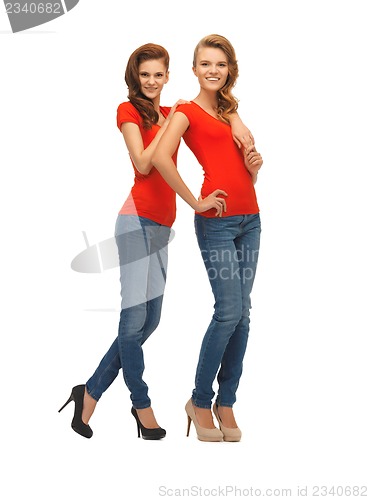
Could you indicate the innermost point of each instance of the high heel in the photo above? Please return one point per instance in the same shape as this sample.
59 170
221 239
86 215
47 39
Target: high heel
231 434
156 433
203 433
77 424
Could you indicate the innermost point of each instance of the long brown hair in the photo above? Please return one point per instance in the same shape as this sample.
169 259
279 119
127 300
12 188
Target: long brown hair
143 104
227 102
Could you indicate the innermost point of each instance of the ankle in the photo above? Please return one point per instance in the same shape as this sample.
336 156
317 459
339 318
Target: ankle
226 416
204 417
89 405
147 418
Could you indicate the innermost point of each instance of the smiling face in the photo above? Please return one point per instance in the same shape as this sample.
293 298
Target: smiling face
153 75
211 68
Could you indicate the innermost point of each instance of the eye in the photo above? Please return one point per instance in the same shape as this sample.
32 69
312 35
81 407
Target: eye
159 75
222 65
204 64
144 75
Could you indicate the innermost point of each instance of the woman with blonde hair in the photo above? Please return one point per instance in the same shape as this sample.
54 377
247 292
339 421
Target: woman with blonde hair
228 233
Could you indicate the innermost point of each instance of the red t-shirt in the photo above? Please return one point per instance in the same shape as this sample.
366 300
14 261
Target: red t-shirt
212 143
150 196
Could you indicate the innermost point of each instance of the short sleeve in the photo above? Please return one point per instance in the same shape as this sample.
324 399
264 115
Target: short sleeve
185 109
126 112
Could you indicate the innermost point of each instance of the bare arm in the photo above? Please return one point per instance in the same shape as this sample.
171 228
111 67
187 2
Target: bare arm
162 160
241 134
141 157
243 138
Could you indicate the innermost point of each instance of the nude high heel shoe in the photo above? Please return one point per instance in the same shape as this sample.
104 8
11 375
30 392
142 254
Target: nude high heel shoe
229 433
203 434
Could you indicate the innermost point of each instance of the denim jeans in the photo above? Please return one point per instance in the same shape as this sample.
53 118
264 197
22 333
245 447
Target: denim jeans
143 257
229 247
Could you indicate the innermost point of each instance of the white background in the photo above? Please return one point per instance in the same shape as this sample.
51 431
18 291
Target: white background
303 399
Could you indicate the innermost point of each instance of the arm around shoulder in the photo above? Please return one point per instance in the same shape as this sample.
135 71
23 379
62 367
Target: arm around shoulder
241 134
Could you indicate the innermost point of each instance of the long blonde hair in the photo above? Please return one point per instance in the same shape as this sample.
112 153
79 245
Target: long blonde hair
227 102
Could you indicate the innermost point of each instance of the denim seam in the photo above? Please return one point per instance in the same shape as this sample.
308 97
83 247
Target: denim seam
92 391
208 341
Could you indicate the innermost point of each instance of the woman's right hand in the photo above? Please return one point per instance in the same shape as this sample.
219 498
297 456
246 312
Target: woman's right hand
212 201
174 107
253 162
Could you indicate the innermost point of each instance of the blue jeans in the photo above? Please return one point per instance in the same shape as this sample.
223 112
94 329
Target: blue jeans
143 257
229 247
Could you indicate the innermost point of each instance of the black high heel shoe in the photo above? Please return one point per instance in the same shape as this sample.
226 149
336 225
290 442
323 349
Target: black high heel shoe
78 425
156 433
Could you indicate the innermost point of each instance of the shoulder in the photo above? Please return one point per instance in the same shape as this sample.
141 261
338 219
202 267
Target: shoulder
126 112
189 112
127 107
189 109
186 107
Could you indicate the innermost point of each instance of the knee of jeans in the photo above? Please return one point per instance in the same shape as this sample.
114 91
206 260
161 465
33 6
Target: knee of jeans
128 334
231 313
131 325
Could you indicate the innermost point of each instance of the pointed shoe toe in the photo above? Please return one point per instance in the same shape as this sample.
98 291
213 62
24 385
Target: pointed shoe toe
230 434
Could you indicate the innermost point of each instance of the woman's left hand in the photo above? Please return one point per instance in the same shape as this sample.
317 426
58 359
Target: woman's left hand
242 135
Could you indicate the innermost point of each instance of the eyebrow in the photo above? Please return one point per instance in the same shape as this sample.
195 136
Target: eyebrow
205 60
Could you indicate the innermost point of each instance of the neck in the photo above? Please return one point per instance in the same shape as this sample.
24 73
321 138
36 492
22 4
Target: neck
156 103
207 100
